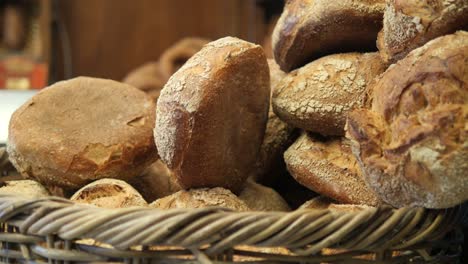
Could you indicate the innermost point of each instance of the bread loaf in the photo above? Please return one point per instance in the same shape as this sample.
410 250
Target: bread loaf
319 202
409 24
109 193
309 29
147 78
413 145
261 198
24 188
329 168
83 129
211 115
200 198
318 96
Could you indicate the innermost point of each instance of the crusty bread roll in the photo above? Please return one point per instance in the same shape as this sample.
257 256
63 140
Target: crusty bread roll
147 78
318 96
329 168
309 29
155 182
83 129
109 193
200 198
28 188
175 56
413 145
261 198
319 202
211 115
409 24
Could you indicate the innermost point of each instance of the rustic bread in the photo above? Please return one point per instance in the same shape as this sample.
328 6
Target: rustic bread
147 78
109 193
309 29
83 129
329 168
28 188
409 24
319 202
413 145
175 56
318 96
212 113
261 198
155 182
200 198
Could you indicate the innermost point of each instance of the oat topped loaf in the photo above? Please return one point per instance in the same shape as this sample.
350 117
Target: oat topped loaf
83 129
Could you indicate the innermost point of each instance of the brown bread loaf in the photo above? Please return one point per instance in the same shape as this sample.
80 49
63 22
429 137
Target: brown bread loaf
200 198
83 129
147 78
413 145
212 113
109 193
409 24
261 198
28 188
309 29
328 168
319 202
318 96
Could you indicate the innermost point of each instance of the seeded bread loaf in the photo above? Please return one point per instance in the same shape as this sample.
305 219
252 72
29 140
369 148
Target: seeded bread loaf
409 24
212 113
309 29
413 144
318 96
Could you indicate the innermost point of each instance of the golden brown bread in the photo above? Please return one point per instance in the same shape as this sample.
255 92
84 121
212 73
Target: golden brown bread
147 78
155 182
309 29
328 168
83 129
409 24
413 145
211 115
200 198
319 202
109 193
261 198
28 188
318 96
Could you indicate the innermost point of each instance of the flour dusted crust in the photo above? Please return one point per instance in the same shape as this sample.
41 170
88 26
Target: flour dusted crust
409 24
413 145
318 96
261 198
83 129
109 193
212 113
329 168
147 78
309 29
200 198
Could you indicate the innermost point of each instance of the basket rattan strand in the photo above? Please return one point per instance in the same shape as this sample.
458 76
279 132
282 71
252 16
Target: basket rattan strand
56 230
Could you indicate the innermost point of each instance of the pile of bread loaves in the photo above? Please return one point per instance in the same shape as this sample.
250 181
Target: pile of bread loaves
386 127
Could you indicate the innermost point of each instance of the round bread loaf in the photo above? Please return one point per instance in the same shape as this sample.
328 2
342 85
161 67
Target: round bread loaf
409 24
318 96
413 145
329 168
80 130
261 198
309 29
175 56
109 193
211 115
147 78
28 188
155 182
200 198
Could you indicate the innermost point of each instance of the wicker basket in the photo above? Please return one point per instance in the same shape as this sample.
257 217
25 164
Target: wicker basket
55 230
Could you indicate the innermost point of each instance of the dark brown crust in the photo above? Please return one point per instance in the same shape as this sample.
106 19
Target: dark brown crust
413 144
211 115
409 24
318 96
329 168
83 129
309 29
